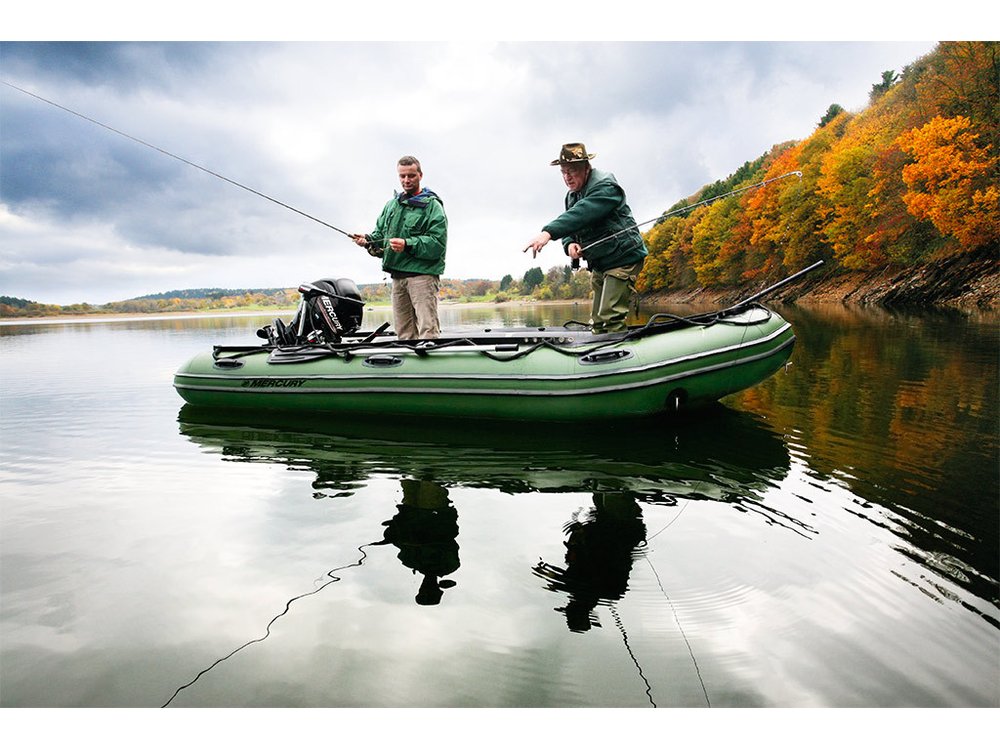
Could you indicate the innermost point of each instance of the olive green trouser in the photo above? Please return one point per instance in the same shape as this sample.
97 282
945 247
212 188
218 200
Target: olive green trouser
613 291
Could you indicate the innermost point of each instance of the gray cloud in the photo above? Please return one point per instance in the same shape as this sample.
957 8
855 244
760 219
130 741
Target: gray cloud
319 126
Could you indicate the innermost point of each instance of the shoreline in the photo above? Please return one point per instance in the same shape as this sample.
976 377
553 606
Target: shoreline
967 283
118 317
964 283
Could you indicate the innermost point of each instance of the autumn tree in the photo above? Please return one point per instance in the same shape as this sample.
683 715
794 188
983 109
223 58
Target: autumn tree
952 180
963 79
717 258
669 263
779 218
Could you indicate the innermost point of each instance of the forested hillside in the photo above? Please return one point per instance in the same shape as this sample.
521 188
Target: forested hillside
909 180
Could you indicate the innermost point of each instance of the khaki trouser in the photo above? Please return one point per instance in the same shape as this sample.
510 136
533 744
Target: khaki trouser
415 307
612 294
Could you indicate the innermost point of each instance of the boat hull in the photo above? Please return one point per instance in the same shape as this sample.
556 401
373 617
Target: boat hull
574 379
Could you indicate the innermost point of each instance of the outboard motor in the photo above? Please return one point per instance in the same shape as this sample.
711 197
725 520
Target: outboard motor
329 310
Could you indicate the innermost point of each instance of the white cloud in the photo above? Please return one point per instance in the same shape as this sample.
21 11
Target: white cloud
318 126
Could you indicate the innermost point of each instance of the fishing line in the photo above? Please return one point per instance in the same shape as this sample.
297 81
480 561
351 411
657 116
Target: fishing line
694 660
267 632
670 523
692 206
680 627
178 158
621 627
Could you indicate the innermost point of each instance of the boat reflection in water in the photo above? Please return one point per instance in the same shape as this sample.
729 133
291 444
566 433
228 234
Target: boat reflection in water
719 455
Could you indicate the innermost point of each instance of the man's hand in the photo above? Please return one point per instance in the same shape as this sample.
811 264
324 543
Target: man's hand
536 244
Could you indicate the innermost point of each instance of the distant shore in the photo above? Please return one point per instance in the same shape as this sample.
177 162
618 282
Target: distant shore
967 282
268 312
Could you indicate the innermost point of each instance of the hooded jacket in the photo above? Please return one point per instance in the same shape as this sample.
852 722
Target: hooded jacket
596 212
420 220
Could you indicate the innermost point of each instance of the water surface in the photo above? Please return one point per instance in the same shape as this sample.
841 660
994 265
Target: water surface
827 539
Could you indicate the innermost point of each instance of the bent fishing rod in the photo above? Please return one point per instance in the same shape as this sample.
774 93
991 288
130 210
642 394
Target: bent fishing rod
686 208
693 206
773 288
178 158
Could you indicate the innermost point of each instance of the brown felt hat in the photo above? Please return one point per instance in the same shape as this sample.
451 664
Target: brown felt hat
573 152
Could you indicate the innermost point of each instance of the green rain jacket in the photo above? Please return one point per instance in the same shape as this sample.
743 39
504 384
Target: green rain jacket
597 211
420 220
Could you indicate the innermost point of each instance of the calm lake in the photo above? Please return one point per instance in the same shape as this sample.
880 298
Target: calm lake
827 539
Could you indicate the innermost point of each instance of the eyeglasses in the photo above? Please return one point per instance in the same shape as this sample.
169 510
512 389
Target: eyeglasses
572 170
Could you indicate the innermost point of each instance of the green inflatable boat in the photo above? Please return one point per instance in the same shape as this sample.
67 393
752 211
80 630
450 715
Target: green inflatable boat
320 362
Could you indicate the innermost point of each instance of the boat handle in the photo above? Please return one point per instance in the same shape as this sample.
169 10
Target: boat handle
228 364
383 360
600 358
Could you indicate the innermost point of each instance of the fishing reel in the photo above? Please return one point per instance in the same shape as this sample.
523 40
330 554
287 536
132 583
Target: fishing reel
373 247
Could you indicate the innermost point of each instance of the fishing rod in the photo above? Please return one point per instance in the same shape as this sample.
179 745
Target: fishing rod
694 205
764 292
178 158
576 261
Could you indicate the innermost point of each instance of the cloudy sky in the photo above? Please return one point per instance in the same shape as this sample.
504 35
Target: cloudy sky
87 215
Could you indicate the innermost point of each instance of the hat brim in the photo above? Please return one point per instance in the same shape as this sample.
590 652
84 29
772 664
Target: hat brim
557 162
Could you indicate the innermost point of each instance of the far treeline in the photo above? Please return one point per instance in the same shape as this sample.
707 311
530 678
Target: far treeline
911 179
558 283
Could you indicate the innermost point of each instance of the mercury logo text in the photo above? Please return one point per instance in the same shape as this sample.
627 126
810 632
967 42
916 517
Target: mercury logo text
272 382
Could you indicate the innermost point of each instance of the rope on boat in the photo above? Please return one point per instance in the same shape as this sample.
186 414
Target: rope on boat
655 325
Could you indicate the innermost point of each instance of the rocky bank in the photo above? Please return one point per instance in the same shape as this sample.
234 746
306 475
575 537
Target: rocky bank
967 282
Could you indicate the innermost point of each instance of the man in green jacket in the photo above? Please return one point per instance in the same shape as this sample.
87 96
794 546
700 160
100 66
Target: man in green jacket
411 236
597 226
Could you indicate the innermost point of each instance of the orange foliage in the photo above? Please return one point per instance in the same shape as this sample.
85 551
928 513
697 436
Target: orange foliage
953 180
780 217
914 174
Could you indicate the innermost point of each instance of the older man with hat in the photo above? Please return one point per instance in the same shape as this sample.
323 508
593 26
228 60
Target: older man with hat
597 226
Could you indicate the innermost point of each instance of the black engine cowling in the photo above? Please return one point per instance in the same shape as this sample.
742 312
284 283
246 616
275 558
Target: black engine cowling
329 310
